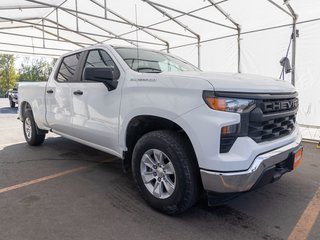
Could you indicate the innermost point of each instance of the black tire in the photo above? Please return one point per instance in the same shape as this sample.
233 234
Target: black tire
12 104
32 137
177 148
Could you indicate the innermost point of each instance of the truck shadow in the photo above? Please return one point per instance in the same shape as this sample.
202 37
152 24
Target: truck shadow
116 190
8 110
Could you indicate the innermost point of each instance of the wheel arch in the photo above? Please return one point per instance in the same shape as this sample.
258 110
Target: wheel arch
24 106
139 125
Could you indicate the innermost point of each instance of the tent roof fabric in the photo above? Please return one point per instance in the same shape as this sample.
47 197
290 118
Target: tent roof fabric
52 27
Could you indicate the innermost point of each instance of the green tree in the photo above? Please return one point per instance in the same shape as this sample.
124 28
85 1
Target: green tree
35 69
8 74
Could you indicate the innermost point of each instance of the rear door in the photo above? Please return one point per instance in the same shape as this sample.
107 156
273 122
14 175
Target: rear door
96 109
58 94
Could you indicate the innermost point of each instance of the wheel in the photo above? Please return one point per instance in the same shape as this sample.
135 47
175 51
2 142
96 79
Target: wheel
166 172
12 104
30 130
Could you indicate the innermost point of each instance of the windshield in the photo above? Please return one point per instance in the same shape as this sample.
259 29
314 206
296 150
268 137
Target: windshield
153 61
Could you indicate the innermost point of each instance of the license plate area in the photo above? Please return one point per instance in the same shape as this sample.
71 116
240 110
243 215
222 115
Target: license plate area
297 157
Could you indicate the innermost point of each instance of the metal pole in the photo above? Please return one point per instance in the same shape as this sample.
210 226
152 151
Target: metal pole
189 14
199 56
57 20
180 24
294 48
238 28
43 34
239 50
40 38
38 47
163 21
132 23
294 41
77 20
29 53
101 28
79 33
279 7
52 34
63 28
105 9
21 7
109 19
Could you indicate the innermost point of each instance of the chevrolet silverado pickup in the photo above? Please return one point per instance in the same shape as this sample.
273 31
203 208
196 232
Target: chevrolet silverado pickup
180 130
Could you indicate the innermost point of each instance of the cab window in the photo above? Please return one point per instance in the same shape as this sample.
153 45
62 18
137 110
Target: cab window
67 69
100 59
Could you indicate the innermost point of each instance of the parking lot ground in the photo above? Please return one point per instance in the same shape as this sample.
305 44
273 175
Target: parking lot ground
65 190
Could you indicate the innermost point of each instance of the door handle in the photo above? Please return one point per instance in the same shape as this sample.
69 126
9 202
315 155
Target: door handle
78 92
50 91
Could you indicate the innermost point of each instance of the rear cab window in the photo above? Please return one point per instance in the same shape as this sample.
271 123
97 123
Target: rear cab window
67 71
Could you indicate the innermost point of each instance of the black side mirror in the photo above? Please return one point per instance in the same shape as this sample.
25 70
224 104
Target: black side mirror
104 75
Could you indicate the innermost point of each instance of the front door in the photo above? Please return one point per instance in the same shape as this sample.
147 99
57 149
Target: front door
96 109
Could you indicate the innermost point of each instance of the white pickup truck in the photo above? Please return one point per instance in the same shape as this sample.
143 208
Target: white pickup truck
179 129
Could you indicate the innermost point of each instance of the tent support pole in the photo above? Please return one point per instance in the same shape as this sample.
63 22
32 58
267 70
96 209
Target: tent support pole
105 9
164 21
77 19
294 17
189 14
294 48
77 32
108 19
238 28
57 20
54 35
239 49
99 27
167 20
40 38
179 23
43 42
63 28
199 56
279 7
294 41
127 21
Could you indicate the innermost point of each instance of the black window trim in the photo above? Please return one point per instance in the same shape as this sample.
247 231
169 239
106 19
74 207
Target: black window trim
85 57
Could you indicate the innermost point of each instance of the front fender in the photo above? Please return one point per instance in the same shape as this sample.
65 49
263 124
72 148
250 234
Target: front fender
145 111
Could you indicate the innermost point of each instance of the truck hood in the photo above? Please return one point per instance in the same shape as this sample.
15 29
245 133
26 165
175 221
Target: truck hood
237 82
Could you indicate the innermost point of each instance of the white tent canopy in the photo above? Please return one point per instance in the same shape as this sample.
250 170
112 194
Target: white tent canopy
250 36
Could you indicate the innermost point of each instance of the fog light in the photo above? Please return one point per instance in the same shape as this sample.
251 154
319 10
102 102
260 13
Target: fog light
230 130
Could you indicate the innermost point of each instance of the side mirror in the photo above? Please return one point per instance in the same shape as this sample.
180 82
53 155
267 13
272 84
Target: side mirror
104 75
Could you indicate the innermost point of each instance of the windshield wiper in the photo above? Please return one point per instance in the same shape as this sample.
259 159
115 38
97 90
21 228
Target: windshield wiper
153 70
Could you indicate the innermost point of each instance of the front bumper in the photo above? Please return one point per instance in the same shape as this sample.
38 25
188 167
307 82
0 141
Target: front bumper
266 168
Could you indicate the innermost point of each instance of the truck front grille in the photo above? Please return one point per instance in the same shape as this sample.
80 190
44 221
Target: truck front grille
272 119
274 116
271 129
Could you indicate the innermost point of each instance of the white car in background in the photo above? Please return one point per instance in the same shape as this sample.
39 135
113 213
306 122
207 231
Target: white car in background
13 96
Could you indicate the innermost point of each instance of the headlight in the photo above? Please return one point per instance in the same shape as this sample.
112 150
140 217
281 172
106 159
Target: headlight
236 105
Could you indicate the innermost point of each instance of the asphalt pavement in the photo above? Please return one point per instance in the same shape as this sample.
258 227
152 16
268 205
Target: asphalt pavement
65 190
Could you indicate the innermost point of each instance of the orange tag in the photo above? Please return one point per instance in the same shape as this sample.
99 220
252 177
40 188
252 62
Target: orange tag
297 158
